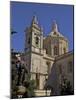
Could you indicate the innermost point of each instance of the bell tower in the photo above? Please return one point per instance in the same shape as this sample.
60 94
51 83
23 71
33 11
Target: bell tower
34 36
55 44
34 50
37 35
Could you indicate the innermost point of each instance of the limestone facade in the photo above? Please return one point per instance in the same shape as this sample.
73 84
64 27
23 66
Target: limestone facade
63 68
41 52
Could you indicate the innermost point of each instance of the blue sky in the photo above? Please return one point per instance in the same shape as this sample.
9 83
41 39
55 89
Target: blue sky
22 14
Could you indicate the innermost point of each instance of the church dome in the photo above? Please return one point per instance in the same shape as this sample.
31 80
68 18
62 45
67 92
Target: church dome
55 32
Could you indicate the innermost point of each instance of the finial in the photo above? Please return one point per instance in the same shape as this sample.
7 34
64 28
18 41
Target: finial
34 20
54 26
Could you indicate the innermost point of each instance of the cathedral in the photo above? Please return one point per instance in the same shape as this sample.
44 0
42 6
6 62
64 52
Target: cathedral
46 57
47 60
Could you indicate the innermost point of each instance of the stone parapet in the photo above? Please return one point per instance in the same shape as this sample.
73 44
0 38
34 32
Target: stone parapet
41 93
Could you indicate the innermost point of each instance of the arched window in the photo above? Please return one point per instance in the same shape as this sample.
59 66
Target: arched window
54 33
55 50
37 40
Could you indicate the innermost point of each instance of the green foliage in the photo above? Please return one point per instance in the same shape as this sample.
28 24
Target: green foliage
66 88
30 85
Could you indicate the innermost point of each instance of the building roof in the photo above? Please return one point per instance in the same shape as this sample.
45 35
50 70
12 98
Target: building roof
64 55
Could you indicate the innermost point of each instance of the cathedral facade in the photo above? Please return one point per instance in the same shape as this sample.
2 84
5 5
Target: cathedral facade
41 52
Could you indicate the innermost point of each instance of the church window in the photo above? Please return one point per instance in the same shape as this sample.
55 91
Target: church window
34 33
37 41
55 50
54 33
70 66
